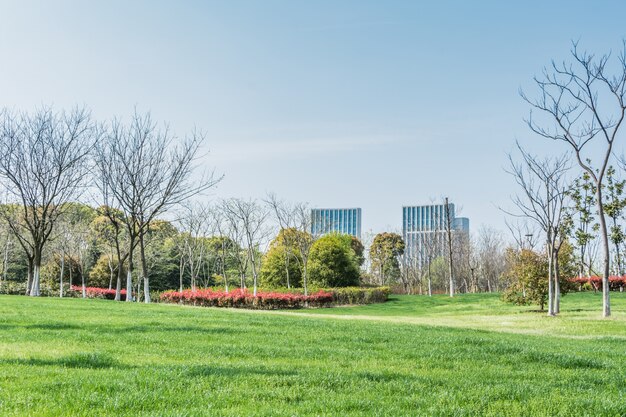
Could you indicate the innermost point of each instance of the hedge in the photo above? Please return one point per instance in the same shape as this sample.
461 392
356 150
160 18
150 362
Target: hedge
616 282
276 299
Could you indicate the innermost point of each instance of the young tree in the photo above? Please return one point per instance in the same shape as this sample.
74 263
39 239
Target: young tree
148 171
250 219
585 105
333 262
43 162
544 189
385 252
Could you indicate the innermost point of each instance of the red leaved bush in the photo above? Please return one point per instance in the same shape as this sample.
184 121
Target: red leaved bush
615 281
242 298
95 292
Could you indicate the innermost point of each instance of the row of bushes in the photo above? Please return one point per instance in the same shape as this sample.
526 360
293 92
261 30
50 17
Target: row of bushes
616 282
243 298
277 299
94 292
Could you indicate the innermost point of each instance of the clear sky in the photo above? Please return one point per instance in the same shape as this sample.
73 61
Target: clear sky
371 104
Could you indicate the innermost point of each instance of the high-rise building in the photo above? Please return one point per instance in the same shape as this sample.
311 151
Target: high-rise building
347 221
424 230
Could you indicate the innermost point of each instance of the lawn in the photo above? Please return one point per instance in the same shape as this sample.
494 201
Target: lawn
410 356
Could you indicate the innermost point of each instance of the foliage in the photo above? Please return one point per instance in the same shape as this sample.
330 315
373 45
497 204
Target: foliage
100 274
94 292
332 262
242 298
358 295
528 272
283 253
385 250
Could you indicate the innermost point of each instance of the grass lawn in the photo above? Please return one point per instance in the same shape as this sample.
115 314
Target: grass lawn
472 355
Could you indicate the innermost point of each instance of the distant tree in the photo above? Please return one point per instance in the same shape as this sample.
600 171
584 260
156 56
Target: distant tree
584 103
43 164
333 263
278 270
528 272
583 195
614 207
249 219
385 251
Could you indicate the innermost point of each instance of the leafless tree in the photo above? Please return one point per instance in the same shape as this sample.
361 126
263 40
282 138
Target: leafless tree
585 104
304 240
449 243
544 190
250 218
195 224
150 171
43 162
491 258
284 214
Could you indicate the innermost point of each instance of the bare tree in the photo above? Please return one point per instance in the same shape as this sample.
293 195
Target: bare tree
43 162
544 190
195 225
448 225
250 218
284 216
585 104
491 258
150 171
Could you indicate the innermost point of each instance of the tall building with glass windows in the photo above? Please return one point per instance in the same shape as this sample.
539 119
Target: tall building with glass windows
424 230
347 221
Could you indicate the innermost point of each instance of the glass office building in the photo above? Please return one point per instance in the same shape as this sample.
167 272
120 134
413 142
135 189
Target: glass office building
424 231
347 221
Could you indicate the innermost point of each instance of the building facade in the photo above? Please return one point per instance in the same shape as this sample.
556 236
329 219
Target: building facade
346 220
424 230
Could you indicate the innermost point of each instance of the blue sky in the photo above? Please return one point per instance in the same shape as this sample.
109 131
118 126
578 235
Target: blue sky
371 104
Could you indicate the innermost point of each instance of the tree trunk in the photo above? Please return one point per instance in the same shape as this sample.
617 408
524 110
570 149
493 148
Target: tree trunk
550 279
181 272
557 285
606 297
31 269
144 269
61 275
430 283
111 270
129 273
35 285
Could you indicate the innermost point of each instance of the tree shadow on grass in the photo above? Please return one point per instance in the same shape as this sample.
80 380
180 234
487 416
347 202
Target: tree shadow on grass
212 370
88 360
172 329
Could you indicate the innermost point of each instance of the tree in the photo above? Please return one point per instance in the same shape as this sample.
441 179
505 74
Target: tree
148 171
249 219
43 162
448 225
528 272
278 270
582 194
332 262
544 190
585 106
614 206
195 225
385 250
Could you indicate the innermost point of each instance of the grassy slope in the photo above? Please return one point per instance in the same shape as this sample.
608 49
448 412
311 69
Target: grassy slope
91 357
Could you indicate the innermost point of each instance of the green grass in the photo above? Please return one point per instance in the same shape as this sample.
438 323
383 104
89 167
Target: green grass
411 356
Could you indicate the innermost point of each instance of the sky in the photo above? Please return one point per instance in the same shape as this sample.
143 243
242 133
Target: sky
370 104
